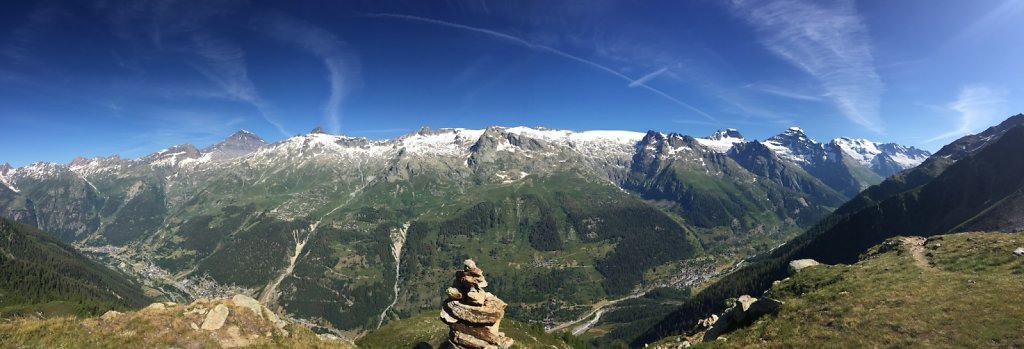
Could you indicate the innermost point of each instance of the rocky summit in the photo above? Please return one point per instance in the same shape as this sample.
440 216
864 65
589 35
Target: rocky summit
472 314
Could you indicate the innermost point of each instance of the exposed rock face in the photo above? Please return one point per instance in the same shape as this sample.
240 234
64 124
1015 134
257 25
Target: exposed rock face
472 314
743 312
796 265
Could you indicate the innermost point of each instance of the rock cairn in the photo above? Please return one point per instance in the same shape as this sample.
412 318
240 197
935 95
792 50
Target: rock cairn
472 314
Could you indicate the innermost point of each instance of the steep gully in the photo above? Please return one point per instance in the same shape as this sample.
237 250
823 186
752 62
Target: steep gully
397 241
269 295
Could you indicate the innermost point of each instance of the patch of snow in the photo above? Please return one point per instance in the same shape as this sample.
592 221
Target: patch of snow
720 145
861 150
8 181
723 140
784 152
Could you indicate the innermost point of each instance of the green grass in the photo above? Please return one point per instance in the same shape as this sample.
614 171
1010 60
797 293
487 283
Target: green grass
966 299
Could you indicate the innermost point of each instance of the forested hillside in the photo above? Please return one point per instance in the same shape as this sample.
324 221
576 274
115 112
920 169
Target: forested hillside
38 273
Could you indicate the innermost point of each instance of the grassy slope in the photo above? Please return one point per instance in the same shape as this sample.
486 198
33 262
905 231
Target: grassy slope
427 329
965 299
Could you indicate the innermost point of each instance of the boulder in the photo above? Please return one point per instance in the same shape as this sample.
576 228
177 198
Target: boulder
215 318
110 315
796 265
155 307
248 302
744 311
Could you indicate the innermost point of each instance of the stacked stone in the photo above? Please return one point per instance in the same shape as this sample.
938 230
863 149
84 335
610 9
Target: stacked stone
472 314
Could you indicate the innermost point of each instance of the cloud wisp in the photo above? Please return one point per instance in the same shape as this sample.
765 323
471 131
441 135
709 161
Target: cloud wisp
828 41
783 92
340 60
978 106
18 46
223 64
535 46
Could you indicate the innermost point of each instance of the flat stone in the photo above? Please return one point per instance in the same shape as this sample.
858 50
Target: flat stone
482 332
454 294
447 318
216 318
476 297
474 271
469 342
485 314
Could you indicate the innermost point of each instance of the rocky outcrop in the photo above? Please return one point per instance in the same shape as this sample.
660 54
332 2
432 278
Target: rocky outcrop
797 265
744 311
472 314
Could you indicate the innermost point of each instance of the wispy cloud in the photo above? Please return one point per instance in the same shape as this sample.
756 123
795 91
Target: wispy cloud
223 63
782 92
644 79
978 106
829 41
19 45
543 48
1003 15
341 61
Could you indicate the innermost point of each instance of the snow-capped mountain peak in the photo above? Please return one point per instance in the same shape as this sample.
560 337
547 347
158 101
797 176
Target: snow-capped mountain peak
722 140
884 158
6 174
238 144
794 145
861 150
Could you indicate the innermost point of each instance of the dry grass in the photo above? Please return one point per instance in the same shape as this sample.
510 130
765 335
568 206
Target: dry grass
148 328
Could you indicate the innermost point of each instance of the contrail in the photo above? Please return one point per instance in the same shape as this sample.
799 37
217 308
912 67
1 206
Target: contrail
548 49
644 79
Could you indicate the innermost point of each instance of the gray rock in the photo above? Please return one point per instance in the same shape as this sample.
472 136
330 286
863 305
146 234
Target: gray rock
216 318
155 307
744 311
110 315
796 265
247 302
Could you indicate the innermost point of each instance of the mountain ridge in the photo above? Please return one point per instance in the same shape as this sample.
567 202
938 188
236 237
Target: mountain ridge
315 219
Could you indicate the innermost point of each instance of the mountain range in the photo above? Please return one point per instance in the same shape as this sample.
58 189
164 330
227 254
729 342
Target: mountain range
972 184
351 232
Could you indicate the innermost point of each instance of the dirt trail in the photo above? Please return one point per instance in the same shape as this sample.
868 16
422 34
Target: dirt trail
916 246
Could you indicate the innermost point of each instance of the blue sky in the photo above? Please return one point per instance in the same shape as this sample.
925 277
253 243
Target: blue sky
96 78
